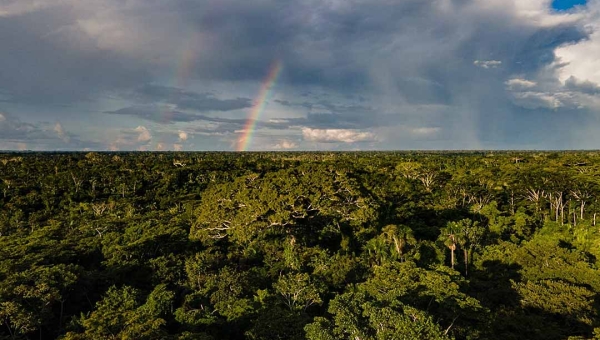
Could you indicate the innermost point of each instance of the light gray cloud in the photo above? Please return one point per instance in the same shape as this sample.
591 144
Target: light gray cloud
11 128
588 87
520 84
336 135
15 134
60 132
487 63
535 100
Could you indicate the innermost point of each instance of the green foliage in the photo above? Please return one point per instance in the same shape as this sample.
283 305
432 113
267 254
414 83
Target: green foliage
297 292
120 315
372 245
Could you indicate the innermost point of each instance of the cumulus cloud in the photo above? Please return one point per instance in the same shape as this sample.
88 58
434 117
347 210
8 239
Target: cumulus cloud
536 100
177 147
144 134
138 138
580 60
285 145
336 135
519 84
183 136
60 132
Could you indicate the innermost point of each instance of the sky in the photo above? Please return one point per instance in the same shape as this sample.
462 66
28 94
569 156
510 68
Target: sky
259 75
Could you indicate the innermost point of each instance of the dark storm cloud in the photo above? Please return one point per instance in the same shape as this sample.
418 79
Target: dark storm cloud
160 114
191 100
412 53
327 115
156 113
45 59
422 48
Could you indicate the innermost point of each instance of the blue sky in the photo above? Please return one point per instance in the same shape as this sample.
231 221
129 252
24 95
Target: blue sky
355 74
566 4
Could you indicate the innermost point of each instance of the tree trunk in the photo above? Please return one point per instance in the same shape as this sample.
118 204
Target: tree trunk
512 203
466 255
397 246
562 213
452 256
62 306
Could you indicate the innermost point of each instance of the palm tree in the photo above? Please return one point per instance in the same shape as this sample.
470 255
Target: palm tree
400 237
448 237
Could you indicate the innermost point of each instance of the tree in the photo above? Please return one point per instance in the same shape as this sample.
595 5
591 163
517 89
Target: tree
469 237
120 315
297 291
448 236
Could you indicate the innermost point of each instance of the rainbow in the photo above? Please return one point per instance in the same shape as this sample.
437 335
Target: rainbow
183 70
259 106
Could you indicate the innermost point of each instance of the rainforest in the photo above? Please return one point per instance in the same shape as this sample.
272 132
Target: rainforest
300 245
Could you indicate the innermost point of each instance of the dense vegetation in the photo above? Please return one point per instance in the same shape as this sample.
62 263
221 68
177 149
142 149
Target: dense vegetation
299 245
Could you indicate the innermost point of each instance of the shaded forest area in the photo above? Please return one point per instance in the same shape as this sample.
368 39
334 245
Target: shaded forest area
371 245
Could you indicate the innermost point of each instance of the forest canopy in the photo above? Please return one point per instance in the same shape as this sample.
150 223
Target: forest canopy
292 245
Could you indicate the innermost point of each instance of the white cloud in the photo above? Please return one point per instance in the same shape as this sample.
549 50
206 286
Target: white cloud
183 136
536 100
285 144
336 135
487 63
60 132
519 84
177 147
539 12
2 118
581 59
131 139
144 134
